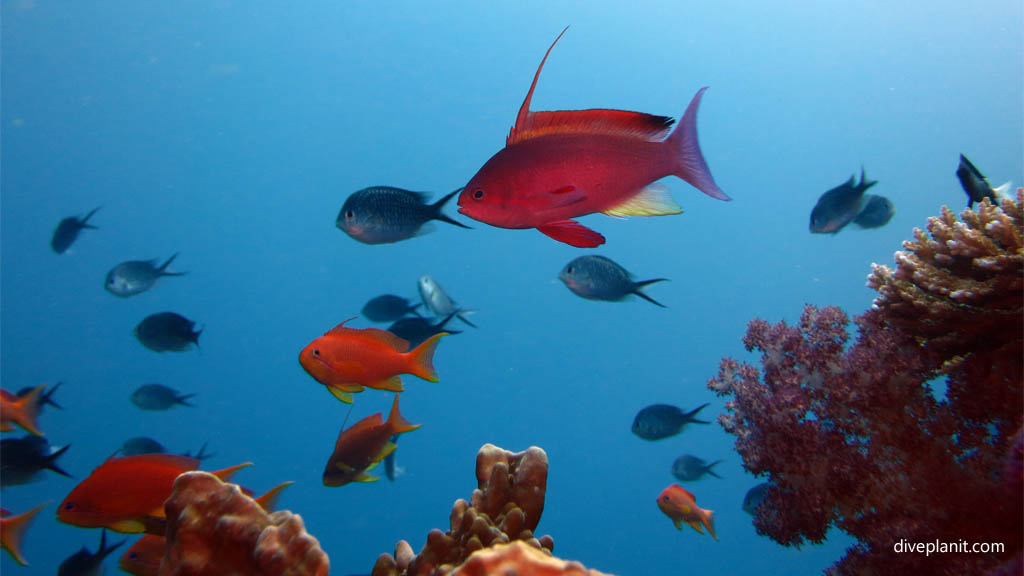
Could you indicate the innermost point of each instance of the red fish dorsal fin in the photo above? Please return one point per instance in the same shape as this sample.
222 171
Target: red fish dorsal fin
524 110
341 327
388 338
646 127
598 121
688 493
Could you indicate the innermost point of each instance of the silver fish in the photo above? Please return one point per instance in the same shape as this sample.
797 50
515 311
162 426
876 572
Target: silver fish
438 301
136 276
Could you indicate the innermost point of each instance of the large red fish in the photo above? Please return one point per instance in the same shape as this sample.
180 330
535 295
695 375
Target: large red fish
563 164
347 360
127 494
364 444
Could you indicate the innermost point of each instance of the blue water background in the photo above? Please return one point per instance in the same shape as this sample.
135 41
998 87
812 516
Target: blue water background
232 132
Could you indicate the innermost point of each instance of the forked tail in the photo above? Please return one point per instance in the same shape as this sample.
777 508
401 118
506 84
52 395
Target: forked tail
691 165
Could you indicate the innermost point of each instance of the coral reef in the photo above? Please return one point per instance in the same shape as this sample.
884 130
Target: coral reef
506 506
519 559
855 436
213 528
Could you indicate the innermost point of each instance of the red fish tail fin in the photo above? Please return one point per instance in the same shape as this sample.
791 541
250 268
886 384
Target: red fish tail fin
708 519
227 473
398 422
269 500
14 528
689 161
25 410
421 359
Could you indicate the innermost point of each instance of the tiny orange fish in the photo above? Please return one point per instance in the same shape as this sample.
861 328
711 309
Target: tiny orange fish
363 445
127 494
12 530
21 410
348 360
681 506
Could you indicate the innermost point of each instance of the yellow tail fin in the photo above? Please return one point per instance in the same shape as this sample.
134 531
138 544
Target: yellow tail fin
398 422
422 358
12 529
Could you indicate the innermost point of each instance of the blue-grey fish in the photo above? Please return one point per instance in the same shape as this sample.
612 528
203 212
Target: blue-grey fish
167 332
382 214
85 563
24 458
438 301
46 398
141 445
419 330
877 212
158 397
390 470
388 308
134 277
600 278
659 421
67 231
688 468
755 496
975 185
840 205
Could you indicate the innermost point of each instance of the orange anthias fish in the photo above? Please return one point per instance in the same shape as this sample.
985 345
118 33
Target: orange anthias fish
681 506
143 558
12 530
347 360
363 445
563 164
127 494
21 410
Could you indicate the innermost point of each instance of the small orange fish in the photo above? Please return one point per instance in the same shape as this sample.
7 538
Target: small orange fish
681 506
143 558
21 410
363 445
12 529
348 360
127 494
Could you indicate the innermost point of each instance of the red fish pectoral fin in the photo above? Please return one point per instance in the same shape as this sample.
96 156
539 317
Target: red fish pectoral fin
572 233
551 199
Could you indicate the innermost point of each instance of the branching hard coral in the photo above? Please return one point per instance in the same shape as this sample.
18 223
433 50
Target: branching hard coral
215 529
505 507
854 437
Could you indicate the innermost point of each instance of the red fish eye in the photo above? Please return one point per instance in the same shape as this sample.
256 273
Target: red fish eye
69 506
478 194
316 352
665 498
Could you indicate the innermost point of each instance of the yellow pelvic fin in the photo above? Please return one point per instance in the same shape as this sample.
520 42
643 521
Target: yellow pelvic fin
345 397
393 384
364 477
128 526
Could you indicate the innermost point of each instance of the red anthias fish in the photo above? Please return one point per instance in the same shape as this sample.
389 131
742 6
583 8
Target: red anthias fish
559 165
127 494
363 445
348 360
